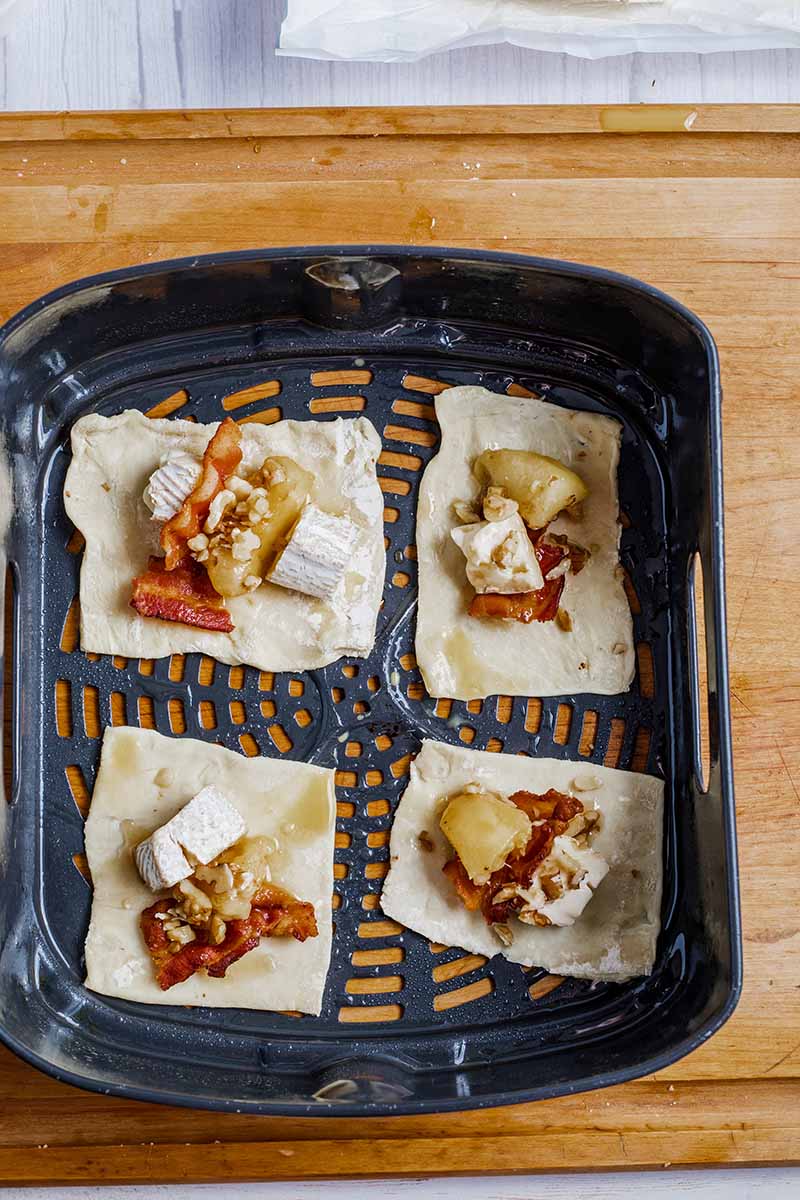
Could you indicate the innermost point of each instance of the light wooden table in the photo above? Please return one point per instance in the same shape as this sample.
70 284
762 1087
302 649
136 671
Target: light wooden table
711 215
220 53
196 53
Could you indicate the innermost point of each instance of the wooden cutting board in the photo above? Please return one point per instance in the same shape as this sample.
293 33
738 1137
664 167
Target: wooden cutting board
704 203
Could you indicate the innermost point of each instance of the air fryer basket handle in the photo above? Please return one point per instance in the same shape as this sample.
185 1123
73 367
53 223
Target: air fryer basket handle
703 692
710 558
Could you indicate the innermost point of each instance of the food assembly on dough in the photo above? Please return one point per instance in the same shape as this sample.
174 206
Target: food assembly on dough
520 586
212 875
212 872
551 864
254 544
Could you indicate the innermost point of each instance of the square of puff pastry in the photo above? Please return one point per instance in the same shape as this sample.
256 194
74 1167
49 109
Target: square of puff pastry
615 936
469 658
275 629
143 780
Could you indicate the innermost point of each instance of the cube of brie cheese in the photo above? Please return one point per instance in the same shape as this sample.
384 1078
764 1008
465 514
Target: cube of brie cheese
500 556
315 558
576 871
202 829
160 860
207 825
171 483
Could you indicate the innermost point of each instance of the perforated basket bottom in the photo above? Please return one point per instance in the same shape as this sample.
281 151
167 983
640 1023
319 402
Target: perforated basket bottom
365 718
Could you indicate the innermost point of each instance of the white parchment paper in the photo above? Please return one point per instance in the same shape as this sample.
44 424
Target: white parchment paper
405 30
9 9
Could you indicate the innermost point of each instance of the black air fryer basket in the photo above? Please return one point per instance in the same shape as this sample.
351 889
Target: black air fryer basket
405 1026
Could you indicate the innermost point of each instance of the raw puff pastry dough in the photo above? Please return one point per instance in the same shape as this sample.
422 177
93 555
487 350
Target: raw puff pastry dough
468 658
273 796
276 629
615 937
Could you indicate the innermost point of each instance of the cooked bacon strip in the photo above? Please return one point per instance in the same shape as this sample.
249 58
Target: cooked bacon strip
548 555
550 548
551 806
471 893
541 605
274 913
222 456
555 810
545 550
184 594
288 916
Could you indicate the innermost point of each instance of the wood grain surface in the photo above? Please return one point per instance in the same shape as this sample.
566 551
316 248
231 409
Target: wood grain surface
712 215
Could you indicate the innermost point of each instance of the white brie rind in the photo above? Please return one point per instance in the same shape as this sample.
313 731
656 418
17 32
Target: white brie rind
274 629
171 483
290 803
500 555
160 860
470 658
577 870
202 829
314 560
614 936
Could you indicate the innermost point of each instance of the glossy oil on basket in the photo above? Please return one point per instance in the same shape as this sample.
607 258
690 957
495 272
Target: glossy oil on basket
406 1026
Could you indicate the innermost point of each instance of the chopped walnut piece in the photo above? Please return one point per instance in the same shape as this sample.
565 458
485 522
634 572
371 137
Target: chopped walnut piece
243 543
583 826
503 932
465 512
425 840
576 826
258 505
497 506
273 472
549 886
218 508
564 620
240 487
220 877
528 917
178 933
216 930
194 903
